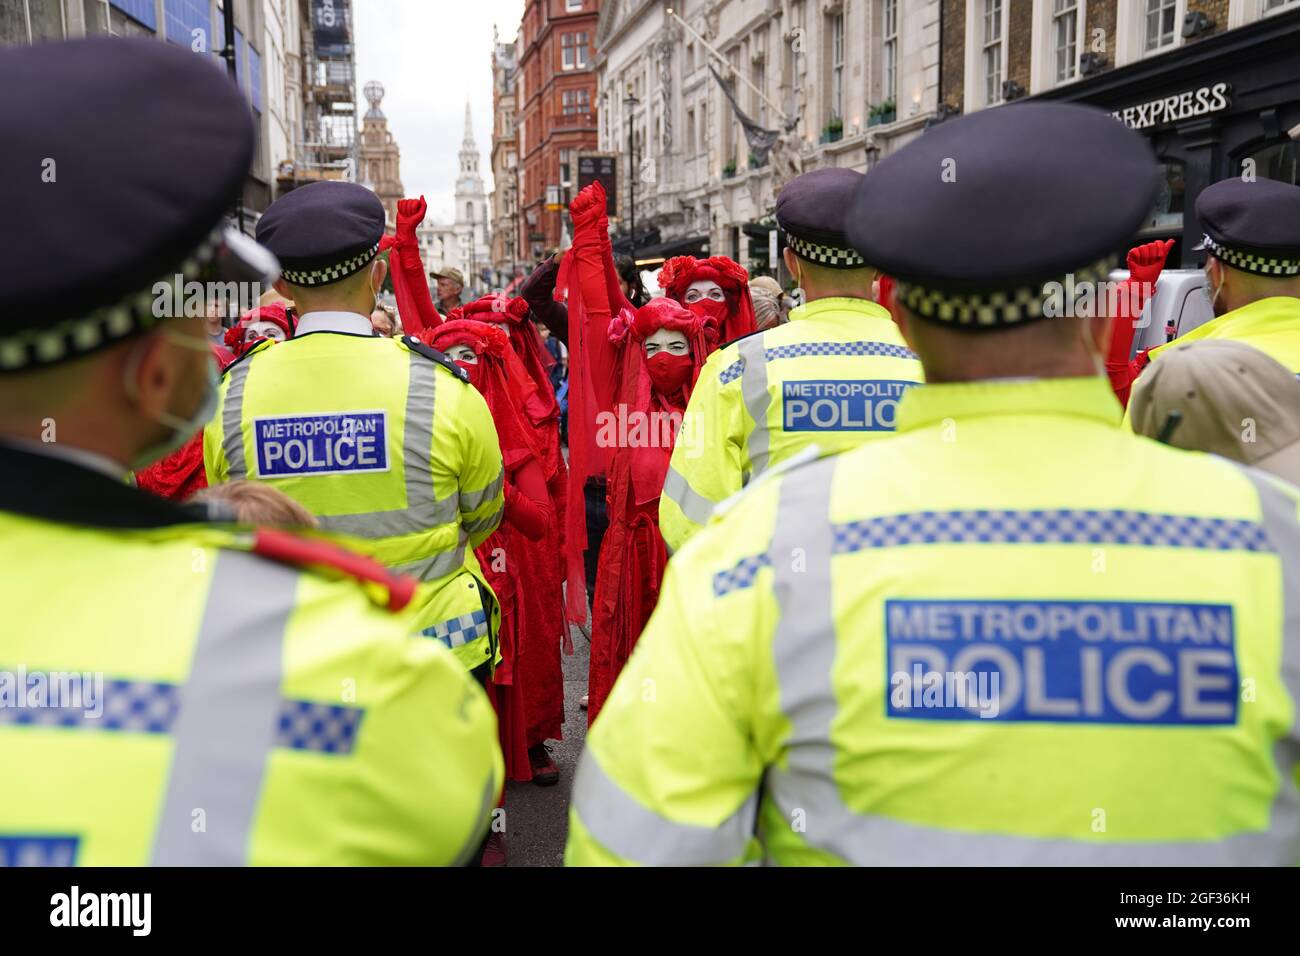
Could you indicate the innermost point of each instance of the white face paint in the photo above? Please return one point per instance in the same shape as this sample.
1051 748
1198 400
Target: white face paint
666 340
703 289
263 330
462 353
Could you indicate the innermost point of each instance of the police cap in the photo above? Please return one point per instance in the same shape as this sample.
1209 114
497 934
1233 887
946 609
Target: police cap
1252 226
979 213
812 210
120 158
323 232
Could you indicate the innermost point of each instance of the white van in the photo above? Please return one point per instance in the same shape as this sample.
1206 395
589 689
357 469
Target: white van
1177 307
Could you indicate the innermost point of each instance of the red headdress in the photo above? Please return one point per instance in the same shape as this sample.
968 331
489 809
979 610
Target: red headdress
526 342
275 312
500 377
679 272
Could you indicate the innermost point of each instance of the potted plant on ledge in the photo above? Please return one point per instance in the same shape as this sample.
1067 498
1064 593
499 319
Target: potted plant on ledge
729 170
882 113
834 130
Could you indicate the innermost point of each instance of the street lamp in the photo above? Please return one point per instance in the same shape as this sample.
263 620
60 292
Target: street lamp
630 102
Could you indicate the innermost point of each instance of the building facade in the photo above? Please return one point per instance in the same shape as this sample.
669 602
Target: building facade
463 244
837 82
555 90
293 61
379 158
504 161
1214 85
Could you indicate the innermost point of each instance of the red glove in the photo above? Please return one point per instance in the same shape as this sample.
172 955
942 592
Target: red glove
410 213
1146 261
588 211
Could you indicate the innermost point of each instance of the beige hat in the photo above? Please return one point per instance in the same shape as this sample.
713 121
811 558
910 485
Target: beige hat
453 274
1224 397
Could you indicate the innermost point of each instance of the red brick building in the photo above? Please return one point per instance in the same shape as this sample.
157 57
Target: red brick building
556 112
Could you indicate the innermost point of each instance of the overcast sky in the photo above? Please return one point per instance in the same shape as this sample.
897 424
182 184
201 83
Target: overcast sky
432 55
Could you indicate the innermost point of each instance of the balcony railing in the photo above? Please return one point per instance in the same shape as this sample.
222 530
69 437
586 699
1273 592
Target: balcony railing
574 119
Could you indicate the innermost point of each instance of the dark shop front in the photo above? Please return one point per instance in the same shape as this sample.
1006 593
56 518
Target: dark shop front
1227 105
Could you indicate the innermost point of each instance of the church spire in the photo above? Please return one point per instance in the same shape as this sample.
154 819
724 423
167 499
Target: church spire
469 130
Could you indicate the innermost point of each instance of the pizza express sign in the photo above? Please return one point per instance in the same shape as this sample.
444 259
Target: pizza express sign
1180 106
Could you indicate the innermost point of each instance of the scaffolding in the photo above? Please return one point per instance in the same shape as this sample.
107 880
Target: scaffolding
328 149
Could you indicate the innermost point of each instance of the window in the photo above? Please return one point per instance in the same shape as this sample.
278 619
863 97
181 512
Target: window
573 51
255 78
759 76
1161 18
690 131
992 43
836 60
889 71
572 6
1065 37
44 16
1280 161
183 17
142 11
566 167
574 102
690 57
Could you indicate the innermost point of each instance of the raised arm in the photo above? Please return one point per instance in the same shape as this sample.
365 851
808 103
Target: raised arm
1145 262
410 284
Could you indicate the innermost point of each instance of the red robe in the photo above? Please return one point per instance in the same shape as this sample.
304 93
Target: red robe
610 381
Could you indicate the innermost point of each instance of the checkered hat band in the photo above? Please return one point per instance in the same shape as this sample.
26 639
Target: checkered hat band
1254 262
339 270
32 348
835 257
999 307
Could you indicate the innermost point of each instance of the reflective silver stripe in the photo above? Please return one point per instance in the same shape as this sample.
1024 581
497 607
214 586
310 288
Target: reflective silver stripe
423 511
229 712
471 501
753 389
486 523
232 422
804 650
435 566
484 820
633 832
694 505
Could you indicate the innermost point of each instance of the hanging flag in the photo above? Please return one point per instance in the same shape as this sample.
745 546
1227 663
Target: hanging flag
760 140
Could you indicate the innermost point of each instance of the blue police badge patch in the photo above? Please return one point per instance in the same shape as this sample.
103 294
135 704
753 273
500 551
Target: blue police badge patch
840 405
295 446
1094 662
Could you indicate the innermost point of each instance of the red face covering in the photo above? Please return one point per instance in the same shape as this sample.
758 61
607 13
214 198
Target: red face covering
713 313
472 369
669 373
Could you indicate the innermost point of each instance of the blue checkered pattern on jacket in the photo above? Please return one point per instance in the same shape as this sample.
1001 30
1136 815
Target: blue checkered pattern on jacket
804 349
324 728
145 707
141 707
32 850
1050 526
459 630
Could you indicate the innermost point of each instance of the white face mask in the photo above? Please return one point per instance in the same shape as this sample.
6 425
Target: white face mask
1211 297
183 429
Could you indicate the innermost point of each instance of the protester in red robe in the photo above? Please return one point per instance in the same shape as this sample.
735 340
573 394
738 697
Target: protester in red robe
631 374
717 290
410 284
542 604
484 352
180 474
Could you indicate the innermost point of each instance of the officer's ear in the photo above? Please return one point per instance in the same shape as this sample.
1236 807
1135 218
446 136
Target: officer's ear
282 287
378 272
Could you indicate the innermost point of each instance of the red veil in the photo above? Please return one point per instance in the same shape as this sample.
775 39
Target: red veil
679 272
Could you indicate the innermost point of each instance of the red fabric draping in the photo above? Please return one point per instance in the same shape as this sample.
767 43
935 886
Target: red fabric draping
415 304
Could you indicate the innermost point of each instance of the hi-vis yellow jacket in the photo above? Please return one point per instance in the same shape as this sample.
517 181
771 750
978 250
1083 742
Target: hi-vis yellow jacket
830 377
385 443
215 708
1014 633
1271 325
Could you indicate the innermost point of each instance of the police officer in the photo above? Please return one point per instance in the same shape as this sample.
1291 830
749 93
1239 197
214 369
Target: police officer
830 377
1252 273
173 692
1012 633
382 439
